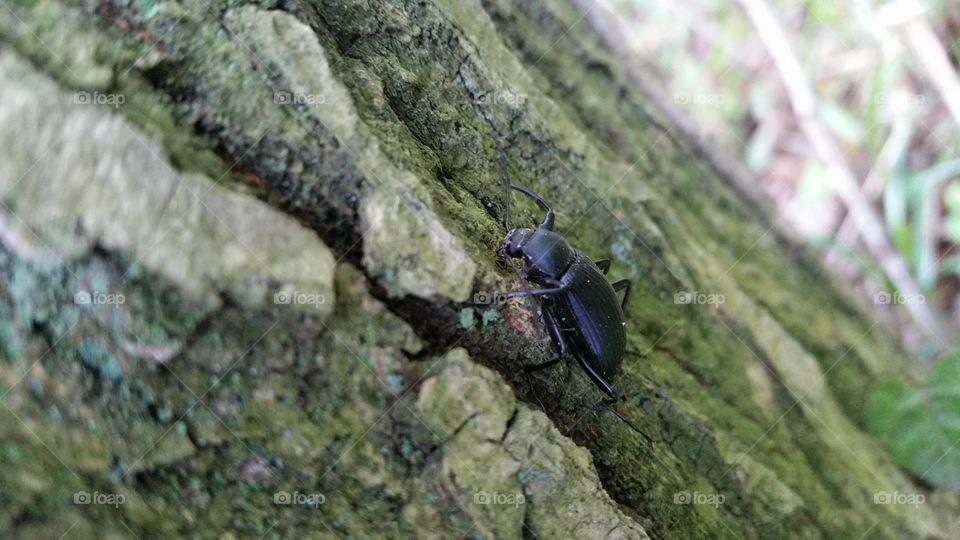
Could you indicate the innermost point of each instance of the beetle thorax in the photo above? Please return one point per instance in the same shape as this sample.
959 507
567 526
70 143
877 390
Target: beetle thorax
545 254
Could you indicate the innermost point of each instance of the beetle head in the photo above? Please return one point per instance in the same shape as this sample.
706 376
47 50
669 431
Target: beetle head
545 254
512 244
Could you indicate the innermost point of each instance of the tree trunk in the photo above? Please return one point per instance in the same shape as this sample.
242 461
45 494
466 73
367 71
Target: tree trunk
245 254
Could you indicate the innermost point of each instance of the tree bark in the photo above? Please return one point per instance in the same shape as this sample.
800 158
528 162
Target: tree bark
244 253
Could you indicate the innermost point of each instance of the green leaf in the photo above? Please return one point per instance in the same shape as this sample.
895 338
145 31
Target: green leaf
951 199
895 200
921 426
924 194
903 240
824 11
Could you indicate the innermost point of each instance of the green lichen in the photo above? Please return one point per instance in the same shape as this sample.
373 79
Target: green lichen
491 315
463 406
466 317
254 254
429 261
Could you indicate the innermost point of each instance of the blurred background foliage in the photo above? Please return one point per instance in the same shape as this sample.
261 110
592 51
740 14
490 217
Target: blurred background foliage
920 424
875 97
883 78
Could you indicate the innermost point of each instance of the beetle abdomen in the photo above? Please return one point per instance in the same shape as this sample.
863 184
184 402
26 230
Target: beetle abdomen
590 316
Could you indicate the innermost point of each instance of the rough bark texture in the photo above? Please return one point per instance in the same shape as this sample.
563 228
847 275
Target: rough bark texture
200 159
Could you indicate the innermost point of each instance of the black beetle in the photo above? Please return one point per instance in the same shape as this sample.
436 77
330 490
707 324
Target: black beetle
580 307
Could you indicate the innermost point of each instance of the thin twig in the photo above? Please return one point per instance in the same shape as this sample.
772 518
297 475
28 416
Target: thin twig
908 17
872 188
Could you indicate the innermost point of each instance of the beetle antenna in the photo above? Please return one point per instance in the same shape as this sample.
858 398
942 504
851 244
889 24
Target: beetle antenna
501 158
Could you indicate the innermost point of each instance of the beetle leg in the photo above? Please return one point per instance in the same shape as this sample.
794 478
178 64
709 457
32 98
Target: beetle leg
596 377
557 336
533 292
607 404
556 333
603 265
540 367
548 220
622 284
